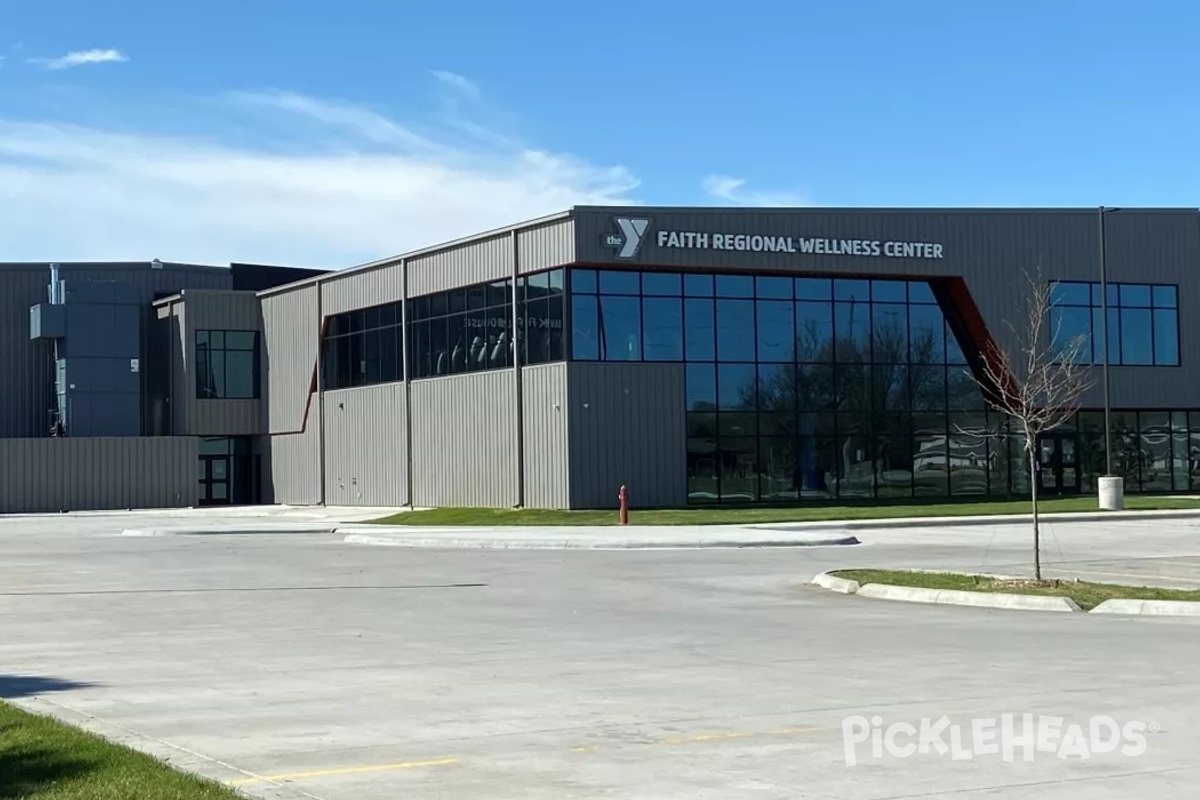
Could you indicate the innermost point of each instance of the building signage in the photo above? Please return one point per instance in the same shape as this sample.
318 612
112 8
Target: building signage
632 234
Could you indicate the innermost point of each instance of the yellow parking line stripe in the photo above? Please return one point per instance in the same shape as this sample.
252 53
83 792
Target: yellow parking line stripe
326 773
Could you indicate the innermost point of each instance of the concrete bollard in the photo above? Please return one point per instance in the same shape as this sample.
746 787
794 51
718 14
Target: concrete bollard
1112 494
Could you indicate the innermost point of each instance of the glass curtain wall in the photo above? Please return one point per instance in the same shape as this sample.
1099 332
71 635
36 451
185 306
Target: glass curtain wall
449 333
803 388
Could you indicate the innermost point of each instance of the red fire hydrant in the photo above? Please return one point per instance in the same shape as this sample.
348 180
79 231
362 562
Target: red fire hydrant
624 498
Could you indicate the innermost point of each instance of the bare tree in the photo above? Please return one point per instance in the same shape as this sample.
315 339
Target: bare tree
1038 381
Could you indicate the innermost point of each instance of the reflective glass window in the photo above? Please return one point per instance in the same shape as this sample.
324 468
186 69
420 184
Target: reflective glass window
662 321
735 286
775 320
735 330
665 284
700 330
226 365
620 328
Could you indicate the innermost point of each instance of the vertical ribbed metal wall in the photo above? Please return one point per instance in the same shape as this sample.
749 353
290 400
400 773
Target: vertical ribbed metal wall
463 440
546 246
64 474
292 466
547 477
473 262
365 452
627 426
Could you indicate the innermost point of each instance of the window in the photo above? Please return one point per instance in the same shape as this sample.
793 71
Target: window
797 388
362 347
227 365
1143 322
468 329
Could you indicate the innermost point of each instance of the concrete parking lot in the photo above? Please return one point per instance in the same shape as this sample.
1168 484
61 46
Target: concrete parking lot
298 666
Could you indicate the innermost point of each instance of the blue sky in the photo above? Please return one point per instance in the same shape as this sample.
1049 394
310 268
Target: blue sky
291 132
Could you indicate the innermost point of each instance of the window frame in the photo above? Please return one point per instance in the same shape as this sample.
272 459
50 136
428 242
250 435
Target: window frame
205 382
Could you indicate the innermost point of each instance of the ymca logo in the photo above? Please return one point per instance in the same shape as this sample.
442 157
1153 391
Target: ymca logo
629 240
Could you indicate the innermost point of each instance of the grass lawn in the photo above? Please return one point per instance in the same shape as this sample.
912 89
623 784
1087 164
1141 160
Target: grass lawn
43 759
1086 595
728 515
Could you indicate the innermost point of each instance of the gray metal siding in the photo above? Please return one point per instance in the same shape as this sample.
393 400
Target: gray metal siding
362 290
25 394
292 462
292 467
989 249
289 357
545 409
487 260
627 427
366 459
64 474
464 442
224 311
181 357
546 246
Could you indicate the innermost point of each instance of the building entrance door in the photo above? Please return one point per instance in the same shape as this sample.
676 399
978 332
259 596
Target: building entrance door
1058 463
214 480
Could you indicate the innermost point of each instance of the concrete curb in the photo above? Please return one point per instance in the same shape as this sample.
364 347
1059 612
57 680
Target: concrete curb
1015 602
1149 608
466 541
995 519
233 530
835 584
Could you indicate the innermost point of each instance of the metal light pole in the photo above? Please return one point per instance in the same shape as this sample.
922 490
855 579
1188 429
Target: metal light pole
1104 312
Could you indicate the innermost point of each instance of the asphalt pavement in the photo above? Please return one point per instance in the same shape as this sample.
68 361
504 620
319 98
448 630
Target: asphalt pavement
298 665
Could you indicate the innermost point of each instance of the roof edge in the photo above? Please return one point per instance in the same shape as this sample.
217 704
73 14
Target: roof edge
425 251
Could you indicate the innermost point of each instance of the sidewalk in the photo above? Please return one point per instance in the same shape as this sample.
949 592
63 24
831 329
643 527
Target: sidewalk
628 537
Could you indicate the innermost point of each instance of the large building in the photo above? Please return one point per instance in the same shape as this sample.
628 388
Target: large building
694 355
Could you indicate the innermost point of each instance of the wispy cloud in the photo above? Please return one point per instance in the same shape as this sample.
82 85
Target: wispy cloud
733 190
458 83
79 58
325 183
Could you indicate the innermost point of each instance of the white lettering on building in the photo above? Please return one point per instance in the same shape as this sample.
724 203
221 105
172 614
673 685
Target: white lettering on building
759 243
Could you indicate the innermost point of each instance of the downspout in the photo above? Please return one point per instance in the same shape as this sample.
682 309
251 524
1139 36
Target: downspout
405 374
321 389
519 340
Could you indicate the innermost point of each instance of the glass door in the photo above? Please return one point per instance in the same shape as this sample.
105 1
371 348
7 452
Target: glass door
214 480
1058 463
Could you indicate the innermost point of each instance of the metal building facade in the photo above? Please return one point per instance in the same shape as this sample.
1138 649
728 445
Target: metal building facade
569 433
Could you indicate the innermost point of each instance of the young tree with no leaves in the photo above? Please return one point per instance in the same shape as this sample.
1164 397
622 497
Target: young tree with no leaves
1038 381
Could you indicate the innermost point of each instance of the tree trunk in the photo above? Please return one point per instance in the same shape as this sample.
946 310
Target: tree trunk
1037 538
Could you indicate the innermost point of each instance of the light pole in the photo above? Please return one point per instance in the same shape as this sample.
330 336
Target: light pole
1104 327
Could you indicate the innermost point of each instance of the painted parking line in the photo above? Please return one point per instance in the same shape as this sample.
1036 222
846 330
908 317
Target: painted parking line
716 736
328 773
698 738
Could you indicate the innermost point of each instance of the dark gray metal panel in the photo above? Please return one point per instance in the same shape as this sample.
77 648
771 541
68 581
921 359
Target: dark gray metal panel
464 444
26 394
478 262
990 249
545 410
289 357
64 474
362 290
365 453
626 427
224 311
546 246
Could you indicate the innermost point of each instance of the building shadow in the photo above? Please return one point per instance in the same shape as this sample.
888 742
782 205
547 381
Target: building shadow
30 763
27 770
13 687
